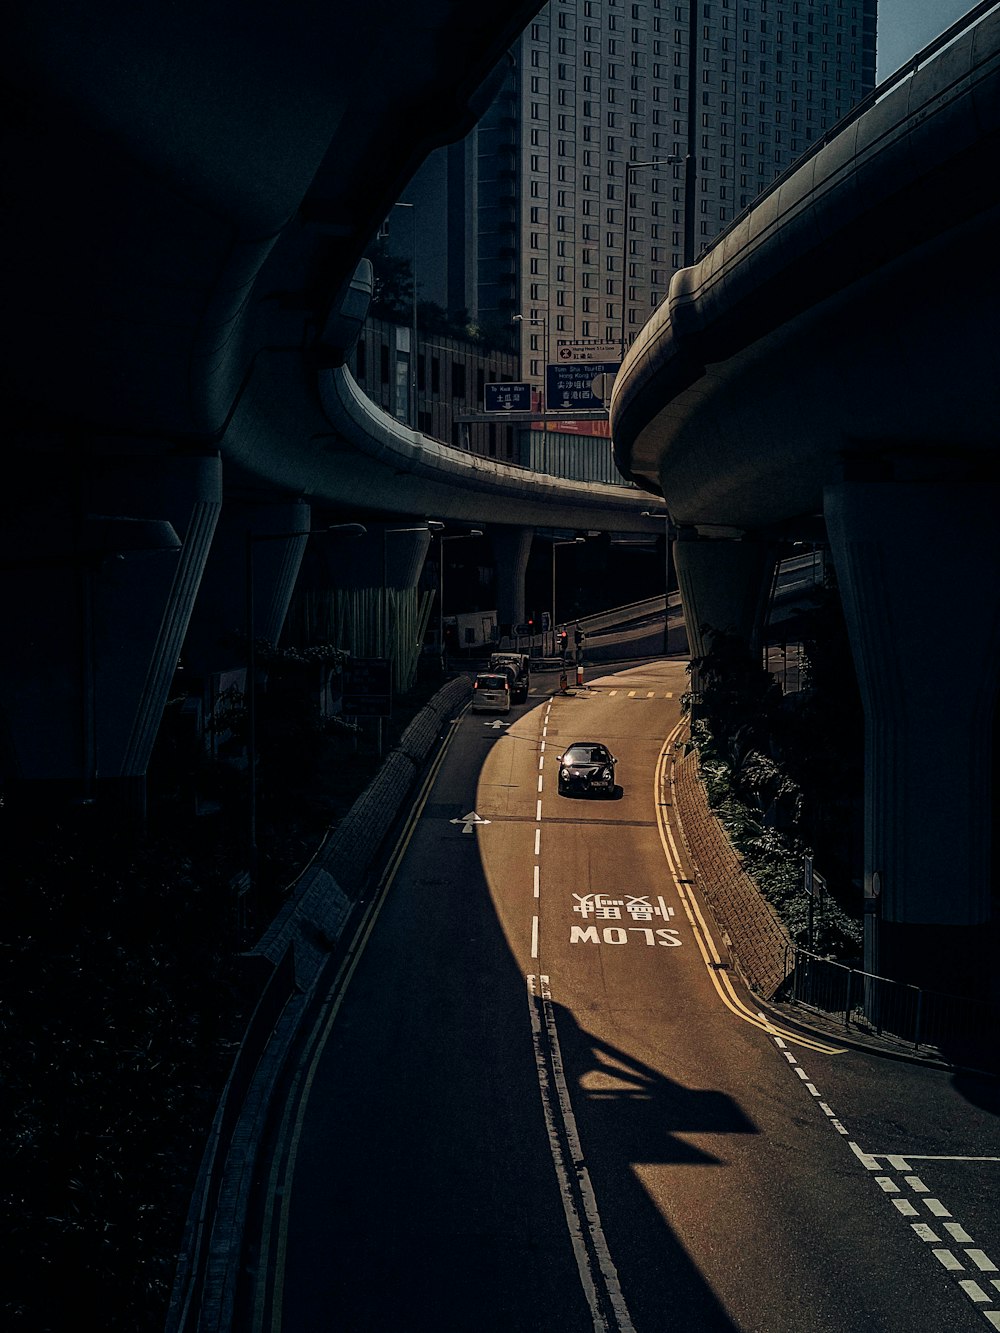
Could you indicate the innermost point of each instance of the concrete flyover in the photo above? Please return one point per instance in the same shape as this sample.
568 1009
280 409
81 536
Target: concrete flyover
831 364
189 193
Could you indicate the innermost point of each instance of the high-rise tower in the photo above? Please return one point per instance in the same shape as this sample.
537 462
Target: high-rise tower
627 136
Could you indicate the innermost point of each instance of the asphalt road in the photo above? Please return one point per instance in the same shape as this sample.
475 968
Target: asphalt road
537 1097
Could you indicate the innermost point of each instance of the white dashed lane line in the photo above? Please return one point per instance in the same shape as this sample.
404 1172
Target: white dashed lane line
952 1246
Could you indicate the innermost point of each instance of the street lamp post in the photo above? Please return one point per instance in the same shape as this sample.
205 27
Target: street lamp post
573 541
347 529
540 319
455 537
668 533
630 169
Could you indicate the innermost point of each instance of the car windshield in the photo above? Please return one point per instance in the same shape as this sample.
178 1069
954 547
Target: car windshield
586 754
491 683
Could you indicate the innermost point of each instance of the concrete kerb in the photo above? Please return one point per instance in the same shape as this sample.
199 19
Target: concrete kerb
755 937
304 933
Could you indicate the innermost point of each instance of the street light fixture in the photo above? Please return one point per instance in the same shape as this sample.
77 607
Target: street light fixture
630 169
669 532
543 320
455 537
252 538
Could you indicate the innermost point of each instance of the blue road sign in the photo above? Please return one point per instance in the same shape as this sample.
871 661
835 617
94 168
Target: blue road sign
571 385
507 397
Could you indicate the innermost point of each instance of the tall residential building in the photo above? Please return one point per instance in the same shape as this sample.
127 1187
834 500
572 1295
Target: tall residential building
628 134
646 126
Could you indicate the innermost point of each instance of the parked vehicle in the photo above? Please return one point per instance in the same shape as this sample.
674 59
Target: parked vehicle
520 665
491 691
585 767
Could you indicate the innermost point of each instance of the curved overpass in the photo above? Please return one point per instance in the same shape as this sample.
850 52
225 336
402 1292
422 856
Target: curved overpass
844 317
830 367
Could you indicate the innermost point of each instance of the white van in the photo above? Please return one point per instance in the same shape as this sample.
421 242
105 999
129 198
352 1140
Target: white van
491 692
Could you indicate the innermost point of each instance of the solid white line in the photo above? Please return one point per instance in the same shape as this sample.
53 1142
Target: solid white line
600 1245
563 1175
536 881
534 937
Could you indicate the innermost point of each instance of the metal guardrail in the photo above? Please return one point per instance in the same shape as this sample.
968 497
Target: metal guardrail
953 1027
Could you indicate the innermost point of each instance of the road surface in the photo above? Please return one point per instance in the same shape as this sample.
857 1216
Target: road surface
537 1098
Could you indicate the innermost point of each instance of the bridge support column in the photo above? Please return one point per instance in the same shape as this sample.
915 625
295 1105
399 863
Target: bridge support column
215 636
725 584
101 601
918 565
511 548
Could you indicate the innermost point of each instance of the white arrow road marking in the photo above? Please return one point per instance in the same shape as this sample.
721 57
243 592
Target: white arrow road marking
470 821
496 724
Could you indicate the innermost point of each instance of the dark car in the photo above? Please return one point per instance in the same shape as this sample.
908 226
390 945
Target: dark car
587 766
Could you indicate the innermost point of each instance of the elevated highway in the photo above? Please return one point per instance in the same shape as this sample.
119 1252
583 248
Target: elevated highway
829 369
190 192
189 196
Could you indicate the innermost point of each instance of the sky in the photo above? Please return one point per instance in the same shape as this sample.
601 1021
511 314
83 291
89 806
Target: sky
904 26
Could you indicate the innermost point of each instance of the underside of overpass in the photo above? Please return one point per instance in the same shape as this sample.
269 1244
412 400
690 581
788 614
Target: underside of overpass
830 366
190 191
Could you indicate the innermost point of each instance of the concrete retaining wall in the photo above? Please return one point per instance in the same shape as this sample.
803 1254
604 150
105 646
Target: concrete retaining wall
757 938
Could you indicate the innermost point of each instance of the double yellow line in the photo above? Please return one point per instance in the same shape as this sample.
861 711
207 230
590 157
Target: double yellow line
711 957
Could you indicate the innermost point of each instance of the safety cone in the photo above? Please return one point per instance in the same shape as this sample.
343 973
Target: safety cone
579 673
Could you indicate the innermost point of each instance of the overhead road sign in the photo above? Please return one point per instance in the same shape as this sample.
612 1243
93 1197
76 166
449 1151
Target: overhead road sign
586 351
578 385
507 397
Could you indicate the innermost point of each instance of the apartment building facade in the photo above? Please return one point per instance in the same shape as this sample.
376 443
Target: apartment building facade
635 131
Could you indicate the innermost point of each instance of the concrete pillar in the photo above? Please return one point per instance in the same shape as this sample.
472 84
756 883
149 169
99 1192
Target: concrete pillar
216 634
511 548
725 586
98 613
918 565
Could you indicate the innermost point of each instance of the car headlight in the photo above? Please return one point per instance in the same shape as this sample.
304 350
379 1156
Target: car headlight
606 775
564 773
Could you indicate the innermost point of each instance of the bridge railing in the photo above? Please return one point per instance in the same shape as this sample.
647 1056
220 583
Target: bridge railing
856 112
956 1028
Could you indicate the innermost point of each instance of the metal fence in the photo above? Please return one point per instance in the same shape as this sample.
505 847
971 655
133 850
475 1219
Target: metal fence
956 1028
